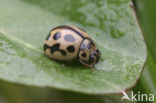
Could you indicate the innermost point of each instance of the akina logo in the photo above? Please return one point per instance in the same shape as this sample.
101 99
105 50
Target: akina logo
138 97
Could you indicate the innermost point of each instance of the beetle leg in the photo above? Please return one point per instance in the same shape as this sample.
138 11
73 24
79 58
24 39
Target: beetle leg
87 65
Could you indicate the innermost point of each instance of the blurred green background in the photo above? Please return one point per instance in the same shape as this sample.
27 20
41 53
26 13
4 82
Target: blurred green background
146 14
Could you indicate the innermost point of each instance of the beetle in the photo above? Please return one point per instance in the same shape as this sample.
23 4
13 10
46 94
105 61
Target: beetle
67 43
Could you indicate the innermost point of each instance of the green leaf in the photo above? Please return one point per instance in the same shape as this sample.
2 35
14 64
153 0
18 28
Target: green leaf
24 24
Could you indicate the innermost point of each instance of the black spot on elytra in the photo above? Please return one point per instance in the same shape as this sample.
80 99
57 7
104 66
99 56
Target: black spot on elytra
57 36
71 49
83 55
45 46
54 48
48 36
69 38
63 52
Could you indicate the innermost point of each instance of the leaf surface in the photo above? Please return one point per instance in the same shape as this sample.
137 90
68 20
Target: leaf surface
24 24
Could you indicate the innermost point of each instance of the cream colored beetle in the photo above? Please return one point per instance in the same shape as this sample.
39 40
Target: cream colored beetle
66 43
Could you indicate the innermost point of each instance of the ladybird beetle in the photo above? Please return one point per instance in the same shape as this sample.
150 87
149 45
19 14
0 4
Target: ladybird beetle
66 43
